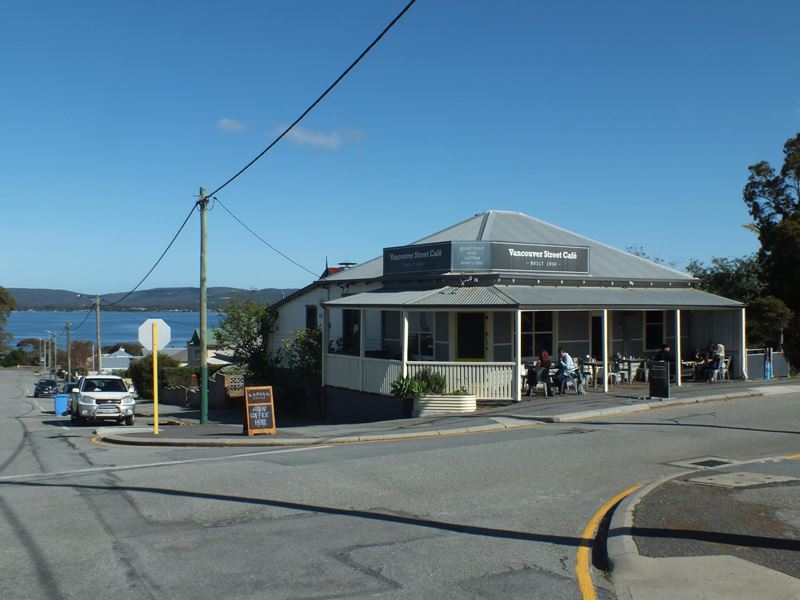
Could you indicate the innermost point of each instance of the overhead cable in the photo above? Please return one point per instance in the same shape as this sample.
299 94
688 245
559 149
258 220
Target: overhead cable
318 100
142 280
243 224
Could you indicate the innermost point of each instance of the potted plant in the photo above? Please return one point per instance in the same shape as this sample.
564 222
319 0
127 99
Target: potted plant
424 394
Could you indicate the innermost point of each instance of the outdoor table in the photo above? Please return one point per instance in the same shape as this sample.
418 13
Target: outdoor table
630 362
692 366
593 365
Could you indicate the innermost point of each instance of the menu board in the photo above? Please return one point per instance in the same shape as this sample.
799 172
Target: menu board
659 379
259 410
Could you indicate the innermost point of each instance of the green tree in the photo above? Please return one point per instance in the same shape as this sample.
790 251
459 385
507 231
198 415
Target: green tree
640 252
7 304
773 199
304 352
246 327
736 278
141 373
767 318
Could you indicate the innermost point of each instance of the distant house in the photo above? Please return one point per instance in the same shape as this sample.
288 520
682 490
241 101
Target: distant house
215 354
118 360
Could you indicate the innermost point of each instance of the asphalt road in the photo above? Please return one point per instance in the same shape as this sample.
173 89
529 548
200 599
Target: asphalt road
477 516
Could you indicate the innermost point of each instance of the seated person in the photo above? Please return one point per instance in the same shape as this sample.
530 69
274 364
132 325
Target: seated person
566 370
699 360
717 358
665 354
541 372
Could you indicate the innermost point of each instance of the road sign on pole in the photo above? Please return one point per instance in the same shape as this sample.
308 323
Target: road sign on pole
146 333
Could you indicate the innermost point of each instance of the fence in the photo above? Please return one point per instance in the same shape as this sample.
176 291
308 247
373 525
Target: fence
755 364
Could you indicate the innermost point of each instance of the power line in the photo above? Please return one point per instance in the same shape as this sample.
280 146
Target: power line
85 317
142 280
318 100
242 223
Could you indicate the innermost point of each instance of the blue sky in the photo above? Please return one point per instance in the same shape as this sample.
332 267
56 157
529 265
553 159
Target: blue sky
631 123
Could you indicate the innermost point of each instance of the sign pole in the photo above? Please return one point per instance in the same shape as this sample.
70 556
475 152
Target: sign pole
155 377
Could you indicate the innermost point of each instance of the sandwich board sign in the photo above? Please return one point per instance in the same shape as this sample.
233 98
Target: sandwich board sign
259 410
146 334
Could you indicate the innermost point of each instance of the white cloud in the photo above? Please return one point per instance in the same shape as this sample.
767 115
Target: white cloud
230 125
324 140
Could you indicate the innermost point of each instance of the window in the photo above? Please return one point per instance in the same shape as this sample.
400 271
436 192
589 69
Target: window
537 333
471 336
653 329
420 335
311 317
351 331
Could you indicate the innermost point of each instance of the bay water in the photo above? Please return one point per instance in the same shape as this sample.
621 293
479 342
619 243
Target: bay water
115 327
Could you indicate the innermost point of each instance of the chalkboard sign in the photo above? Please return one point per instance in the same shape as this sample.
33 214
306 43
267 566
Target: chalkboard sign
659 379
259 410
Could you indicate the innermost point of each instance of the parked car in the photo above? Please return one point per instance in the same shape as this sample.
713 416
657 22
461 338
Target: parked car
101 397
45 387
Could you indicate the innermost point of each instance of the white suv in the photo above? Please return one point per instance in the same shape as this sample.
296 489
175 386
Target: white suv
101 397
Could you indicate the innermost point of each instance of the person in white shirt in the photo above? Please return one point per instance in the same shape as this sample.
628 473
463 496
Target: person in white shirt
566 369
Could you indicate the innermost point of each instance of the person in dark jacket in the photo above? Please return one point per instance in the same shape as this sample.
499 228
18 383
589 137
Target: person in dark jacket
541 372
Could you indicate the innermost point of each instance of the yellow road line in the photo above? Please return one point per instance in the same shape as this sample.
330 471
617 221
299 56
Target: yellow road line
582 566
793 457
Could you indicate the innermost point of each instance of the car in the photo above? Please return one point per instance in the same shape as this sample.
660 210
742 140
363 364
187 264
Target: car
101 398
45 387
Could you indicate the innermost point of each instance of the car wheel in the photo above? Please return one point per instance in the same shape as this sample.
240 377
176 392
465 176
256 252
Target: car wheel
129 420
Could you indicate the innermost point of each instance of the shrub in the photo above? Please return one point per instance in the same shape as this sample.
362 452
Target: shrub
141 373
423 383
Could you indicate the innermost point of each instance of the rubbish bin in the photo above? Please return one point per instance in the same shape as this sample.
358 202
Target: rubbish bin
60 404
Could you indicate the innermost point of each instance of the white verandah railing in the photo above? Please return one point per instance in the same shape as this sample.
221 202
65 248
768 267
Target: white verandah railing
365 375
487 380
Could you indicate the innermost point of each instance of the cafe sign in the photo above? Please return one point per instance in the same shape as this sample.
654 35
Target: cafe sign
456 257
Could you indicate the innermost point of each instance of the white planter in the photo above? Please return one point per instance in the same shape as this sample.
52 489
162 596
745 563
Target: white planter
427 406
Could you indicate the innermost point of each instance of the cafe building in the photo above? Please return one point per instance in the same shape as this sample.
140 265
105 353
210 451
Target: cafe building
480 299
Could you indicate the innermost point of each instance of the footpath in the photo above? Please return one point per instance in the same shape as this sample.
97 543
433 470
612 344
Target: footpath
720 530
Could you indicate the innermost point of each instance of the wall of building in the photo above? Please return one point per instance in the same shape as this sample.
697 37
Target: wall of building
572 333
349 406
292 314
718 327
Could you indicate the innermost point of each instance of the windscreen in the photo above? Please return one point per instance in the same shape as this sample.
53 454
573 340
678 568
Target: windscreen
104 385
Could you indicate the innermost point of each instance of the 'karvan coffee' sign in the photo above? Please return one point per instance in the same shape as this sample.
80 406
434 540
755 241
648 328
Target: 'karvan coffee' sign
459 257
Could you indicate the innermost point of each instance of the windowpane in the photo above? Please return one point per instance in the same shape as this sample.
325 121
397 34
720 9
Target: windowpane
544 341
527 321
527 345
544 321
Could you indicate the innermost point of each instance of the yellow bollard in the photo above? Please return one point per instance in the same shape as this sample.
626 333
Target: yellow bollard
155 378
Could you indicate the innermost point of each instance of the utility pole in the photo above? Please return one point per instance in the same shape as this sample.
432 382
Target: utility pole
69 354
97 328
203 203
54 356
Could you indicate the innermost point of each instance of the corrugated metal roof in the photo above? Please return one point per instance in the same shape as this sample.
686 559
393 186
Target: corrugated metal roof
613 297
381 297
605 262
538 297
465 296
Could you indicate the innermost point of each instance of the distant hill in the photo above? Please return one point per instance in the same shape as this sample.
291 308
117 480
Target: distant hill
185 298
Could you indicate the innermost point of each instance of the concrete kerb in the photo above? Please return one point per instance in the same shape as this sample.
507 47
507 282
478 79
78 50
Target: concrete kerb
653 405
123 439
623 555
624 559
